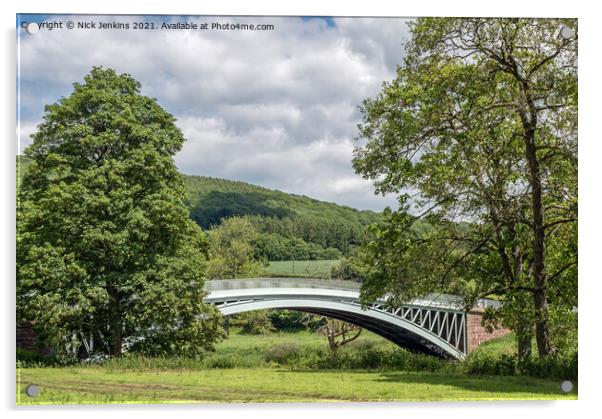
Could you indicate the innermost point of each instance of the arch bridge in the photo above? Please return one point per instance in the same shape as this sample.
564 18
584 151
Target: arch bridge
436 324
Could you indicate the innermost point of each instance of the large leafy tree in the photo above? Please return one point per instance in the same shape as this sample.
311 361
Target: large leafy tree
107 254
478 133
231 250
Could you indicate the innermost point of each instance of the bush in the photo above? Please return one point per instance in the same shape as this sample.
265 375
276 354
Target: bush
287 320
409 361
222 361
483 363
31 359
254 322
330 253
561 367
376 358
285 353
346 269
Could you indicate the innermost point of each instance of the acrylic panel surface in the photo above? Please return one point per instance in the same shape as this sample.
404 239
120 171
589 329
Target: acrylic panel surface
295 209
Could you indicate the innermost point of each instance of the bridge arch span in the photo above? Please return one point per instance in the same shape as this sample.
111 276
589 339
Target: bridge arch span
397 330
432 327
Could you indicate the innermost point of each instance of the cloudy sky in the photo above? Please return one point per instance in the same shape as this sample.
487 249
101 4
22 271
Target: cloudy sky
273 108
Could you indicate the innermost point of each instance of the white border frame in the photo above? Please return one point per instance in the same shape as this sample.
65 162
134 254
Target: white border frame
590 287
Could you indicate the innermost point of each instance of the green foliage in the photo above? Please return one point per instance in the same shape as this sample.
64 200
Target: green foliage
275 247
31 359
560 366
500 357
565 331
480 124
287 320
263 322
384 359
256 322
487 364
232 253
348 269
484 363
295 350
307 351
283 354
407 258
218 199
222 361
277 239
106 250
280 216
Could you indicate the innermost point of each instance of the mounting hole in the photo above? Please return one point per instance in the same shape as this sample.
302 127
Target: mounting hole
566 386
566 32
32 28
32 390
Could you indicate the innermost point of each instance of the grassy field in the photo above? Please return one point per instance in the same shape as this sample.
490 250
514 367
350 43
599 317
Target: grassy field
302 268
258 381
251 348
99 385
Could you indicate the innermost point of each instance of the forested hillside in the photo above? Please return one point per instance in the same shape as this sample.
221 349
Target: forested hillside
224 198
279 217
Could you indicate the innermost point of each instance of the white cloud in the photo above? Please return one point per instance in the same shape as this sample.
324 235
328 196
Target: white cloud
277 108
24 131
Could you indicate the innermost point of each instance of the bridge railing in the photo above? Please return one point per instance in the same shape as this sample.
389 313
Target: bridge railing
232 284
438 300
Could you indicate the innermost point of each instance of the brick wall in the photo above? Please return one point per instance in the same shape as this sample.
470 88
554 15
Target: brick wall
476 333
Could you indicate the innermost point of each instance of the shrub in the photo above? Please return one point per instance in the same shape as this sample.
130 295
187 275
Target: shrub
287 320
410 361
222 361
31 359
284 353
481 363
562 367
361 344
254 322
376 358
346 269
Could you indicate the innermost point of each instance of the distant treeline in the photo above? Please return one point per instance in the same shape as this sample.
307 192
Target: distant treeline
289 226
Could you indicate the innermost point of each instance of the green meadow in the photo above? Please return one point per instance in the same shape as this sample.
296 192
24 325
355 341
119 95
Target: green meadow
79 385
243 369
302 268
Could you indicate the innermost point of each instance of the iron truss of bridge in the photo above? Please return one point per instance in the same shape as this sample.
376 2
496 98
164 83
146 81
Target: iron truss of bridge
436 324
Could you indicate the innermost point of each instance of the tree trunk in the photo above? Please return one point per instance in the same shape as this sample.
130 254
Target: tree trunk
116 344
332 342
542 326
524 334
227 325
115 324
